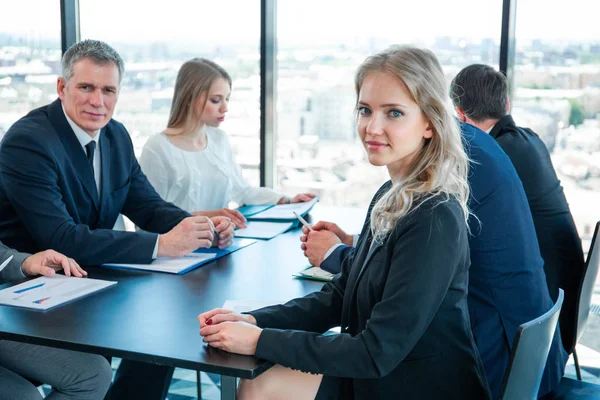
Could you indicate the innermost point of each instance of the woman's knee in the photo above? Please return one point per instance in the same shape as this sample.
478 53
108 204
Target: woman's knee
258 388
279 383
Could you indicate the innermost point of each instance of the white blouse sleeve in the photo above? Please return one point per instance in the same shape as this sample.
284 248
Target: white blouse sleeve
241 190
154 165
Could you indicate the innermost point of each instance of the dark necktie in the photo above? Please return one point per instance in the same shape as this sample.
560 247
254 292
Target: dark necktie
90 148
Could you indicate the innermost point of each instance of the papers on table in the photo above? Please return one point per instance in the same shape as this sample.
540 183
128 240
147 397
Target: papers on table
241 306
181 265
263 229
44 293
315 273
177 265
248 210
284 212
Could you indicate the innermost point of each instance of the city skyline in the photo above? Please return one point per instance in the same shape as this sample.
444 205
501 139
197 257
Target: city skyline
316 145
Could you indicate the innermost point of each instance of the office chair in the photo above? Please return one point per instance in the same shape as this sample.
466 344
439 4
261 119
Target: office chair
529 354
586 289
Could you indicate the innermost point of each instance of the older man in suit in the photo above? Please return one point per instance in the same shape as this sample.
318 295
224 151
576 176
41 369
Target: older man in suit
480 96
68 169
507 285
72 375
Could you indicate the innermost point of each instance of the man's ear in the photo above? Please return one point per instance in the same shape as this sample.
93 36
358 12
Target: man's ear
508 106
61 84
461 114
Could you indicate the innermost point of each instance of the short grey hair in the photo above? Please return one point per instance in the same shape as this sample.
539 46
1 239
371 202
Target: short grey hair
97 51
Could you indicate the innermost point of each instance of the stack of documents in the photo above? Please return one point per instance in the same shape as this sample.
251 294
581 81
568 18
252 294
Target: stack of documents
44 293
181 265
284 212
263 229
315 273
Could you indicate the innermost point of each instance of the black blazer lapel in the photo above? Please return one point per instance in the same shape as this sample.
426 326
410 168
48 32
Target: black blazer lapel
372 250
362 257
354 278
73 149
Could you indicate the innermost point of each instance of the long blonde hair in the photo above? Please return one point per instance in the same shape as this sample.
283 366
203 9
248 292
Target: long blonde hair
195 78
441 166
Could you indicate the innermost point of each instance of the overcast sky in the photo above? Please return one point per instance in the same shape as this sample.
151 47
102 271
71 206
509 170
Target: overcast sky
304 21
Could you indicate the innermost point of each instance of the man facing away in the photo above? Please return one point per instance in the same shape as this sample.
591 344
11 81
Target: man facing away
480 96
66 172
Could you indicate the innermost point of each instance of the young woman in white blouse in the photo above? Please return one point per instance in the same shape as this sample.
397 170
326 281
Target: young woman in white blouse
191 163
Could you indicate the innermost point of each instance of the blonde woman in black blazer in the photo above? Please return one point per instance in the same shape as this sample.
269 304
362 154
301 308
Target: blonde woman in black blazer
401 298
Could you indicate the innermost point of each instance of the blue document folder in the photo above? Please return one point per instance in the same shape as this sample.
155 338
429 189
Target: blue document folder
181 265
248 211
284 212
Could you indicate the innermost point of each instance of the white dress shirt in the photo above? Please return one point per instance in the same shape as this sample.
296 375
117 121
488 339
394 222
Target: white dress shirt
200 180
84 138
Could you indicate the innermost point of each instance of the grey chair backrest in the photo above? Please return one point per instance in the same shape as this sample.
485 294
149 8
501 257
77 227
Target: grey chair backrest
588 283
529 354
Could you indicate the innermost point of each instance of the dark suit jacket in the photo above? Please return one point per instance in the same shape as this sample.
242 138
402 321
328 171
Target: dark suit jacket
557 236
48 196
507 285
12 271
403 311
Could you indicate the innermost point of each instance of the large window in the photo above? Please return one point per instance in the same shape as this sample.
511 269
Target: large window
155 40
29 57
557 94
321 43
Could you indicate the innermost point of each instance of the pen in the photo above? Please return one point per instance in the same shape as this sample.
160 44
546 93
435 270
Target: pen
5 263
214 229
303 221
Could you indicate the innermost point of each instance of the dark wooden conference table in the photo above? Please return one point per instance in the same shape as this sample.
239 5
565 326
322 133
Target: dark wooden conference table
151 316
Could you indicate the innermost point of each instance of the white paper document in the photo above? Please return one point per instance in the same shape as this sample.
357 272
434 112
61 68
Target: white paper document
170 265
241 306
263 229
315 273
285 211
44 293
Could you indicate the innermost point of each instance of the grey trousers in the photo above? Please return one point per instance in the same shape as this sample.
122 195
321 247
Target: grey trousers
72 375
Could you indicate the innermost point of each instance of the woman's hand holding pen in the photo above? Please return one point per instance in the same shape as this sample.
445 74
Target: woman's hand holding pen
229 331
316 243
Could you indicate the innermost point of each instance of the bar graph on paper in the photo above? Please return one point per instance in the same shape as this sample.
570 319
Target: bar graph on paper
44 293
